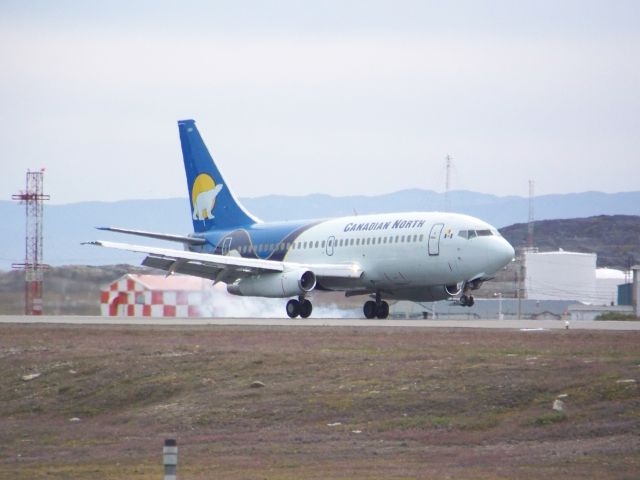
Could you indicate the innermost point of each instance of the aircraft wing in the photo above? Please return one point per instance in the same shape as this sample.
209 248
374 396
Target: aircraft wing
225 268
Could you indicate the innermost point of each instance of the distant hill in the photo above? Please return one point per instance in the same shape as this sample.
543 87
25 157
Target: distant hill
615 238
66 226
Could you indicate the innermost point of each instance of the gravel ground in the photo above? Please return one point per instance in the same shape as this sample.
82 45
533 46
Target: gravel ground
363 403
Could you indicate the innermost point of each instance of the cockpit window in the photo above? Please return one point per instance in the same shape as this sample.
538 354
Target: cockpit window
469 234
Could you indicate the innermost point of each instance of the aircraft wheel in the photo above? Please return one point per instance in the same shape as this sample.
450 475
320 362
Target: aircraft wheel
382 311
293 308
369 309
305 308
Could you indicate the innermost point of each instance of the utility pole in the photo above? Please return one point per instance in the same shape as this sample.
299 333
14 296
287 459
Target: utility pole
530 223
33 198
518 293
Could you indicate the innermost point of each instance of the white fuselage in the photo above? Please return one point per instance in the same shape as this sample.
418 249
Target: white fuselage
401 253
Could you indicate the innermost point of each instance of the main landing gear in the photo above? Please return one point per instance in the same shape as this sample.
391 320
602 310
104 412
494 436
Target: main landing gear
466 300
300 307
377 308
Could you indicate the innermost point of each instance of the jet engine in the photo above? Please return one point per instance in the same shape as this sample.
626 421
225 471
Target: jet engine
454 289
275 285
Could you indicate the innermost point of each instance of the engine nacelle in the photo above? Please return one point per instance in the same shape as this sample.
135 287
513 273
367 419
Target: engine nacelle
453 290
275 285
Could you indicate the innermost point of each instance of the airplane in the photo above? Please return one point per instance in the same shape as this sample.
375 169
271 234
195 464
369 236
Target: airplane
416 256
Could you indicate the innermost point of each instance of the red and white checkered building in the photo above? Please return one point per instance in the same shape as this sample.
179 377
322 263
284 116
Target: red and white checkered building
155 296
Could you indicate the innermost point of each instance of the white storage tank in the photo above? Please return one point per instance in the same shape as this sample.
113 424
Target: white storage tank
560 276
607 281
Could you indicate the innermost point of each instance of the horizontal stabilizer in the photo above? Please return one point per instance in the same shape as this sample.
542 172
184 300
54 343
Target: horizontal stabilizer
157 236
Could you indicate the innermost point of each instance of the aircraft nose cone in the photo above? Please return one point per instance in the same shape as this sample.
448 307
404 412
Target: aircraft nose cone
507 252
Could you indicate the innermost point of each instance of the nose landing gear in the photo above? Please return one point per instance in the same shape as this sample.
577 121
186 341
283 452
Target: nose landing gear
377 308
466 300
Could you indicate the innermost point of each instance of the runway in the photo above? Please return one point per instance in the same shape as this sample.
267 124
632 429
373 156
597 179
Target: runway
524 325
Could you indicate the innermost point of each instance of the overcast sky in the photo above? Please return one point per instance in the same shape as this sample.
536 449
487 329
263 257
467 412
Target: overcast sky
336 97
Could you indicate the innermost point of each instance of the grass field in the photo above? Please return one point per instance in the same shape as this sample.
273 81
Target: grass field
337 403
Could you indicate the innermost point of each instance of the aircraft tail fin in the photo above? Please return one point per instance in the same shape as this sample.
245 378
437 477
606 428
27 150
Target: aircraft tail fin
213 205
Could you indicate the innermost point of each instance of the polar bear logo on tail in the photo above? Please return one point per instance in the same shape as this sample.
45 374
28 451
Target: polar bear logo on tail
204 202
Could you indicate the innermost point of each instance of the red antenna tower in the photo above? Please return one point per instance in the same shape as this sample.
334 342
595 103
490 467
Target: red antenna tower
33 198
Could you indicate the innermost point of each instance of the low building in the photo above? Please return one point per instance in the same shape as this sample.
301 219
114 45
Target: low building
486 308
591 312
155 296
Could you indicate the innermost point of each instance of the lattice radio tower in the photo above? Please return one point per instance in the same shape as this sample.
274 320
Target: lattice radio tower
33 199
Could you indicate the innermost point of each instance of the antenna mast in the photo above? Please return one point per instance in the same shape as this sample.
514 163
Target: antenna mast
33 267
447 185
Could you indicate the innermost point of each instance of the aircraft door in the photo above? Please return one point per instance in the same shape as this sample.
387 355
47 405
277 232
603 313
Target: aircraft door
331 242
434 239
226 246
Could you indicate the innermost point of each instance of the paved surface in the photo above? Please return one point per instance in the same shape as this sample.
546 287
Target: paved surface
526 325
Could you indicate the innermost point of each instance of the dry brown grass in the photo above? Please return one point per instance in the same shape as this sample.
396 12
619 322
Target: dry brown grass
410 403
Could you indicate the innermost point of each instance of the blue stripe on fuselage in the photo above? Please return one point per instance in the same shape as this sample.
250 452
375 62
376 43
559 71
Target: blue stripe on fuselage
271 236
